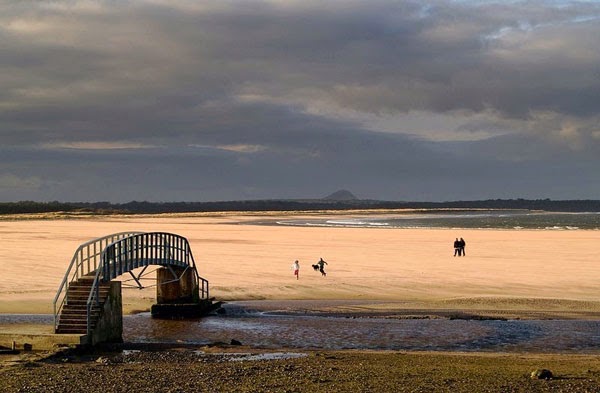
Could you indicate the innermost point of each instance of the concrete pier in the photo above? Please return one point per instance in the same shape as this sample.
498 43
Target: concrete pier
110 324
171 290
178 299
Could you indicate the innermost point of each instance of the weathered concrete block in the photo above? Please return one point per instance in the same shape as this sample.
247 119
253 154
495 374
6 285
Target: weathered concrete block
110 325
171 290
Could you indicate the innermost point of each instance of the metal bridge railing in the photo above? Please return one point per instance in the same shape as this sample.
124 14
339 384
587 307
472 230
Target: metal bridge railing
85 261
140 250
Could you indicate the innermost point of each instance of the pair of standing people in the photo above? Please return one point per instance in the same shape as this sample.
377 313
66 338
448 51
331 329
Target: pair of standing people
459 247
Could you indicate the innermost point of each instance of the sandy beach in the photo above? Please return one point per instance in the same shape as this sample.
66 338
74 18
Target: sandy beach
520 271
523 274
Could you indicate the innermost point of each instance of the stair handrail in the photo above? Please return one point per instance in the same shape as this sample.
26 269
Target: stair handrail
109 253
203 289
79 268
92 297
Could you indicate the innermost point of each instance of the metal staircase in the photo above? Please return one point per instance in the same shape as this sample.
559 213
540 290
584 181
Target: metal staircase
81 296
74 316
79 278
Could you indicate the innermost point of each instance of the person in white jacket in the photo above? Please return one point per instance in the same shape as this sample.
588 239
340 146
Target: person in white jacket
296 269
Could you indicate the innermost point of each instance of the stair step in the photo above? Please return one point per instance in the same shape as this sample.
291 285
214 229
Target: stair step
86 289
86 285
73 326
82 306
85 295
62 330
75 285
80 302
68 322
76 317
73 316
75 322
79 310
87 277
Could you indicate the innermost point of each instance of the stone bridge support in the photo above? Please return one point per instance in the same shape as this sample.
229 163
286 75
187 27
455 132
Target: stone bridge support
170 290
110 324
179 298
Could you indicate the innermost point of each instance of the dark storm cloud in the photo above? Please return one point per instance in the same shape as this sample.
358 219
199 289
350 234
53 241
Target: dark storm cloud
380 56
259 98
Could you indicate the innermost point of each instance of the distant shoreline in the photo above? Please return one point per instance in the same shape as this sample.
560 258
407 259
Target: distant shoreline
267 214
480 219
61 215
283 205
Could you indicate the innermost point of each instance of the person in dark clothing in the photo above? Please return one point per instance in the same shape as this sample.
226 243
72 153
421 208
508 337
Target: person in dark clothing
456 247
322 264
462 245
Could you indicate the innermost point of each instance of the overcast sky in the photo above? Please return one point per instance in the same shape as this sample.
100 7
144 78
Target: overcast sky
186 100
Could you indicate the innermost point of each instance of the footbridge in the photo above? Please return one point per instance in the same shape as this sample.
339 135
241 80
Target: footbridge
89 297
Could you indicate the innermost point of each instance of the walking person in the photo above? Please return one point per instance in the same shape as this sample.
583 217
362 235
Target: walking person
321 265
296 269
462 245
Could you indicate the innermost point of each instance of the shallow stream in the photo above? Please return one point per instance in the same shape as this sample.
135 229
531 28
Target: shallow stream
280 330
273 329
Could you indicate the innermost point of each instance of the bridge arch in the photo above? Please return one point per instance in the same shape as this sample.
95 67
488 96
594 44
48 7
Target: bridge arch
100 261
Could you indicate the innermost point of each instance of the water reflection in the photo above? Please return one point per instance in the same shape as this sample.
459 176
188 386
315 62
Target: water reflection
271 330
268 330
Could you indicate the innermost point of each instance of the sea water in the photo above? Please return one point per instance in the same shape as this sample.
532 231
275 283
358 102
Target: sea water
477 219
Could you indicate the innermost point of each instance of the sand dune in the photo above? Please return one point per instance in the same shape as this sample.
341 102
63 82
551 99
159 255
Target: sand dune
399 268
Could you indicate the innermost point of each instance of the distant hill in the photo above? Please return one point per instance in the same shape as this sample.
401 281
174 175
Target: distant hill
341 195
